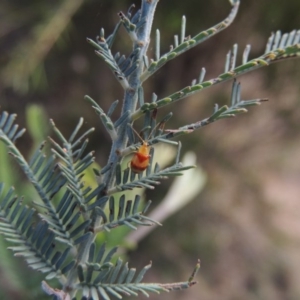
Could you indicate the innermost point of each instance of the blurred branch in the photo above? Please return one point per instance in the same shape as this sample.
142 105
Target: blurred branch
11 20
27 57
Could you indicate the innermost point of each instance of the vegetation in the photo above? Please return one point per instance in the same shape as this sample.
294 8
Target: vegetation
63 235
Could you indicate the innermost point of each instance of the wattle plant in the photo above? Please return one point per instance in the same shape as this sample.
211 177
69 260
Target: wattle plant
57 235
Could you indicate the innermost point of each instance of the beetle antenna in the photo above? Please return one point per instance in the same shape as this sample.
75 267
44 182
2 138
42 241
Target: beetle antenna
154 128
138 135
161 123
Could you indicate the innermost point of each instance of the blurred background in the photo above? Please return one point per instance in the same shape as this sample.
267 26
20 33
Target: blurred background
245 223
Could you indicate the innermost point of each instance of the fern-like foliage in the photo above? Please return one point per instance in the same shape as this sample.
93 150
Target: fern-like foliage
127 214
59 236
67 225
101 278
34 243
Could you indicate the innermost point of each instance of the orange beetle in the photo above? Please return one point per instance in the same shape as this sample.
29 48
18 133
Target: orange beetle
141 157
